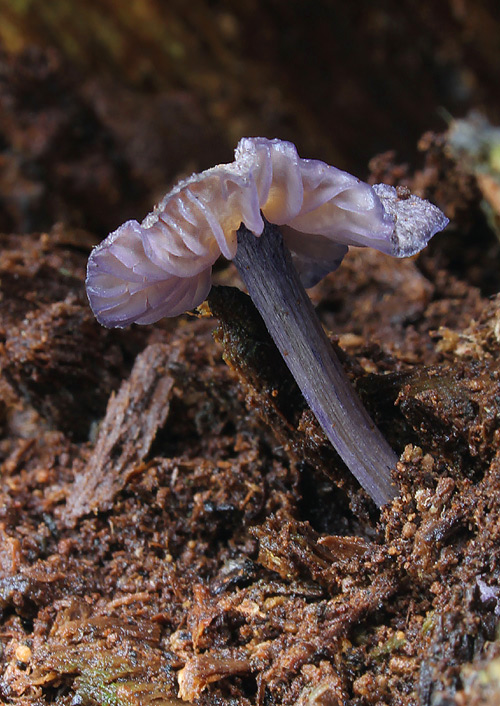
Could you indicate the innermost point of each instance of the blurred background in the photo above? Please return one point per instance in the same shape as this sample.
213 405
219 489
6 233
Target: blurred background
104 103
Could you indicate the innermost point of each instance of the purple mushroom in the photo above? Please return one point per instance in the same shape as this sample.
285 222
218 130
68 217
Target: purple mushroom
162 267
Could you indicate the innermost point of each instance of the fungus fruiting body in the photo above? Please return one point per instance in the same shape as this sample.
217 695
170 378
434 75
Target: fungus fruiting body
162 267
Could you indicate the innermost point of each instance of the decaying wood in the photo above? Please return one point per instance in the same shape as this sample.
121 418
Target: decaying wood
132 420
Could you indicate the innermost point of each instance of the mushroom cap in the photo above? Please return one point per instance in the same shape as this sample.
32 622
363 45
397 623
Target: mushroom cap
162 267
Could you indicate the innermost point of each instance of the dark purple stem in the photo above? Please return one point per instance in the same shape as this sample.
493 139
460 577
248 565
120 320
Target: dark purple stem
265 265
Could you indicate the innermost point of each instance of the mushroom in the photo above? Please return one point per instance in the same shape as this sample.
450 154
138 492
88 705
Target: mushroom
162 267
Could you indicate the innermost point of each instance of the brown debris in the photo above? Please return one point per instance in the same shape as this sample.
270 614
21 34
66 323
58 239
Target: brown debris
55 358
202 670
132 420
468 246
451 408
454 407
294 550
322 685
35 272
369 297
106 657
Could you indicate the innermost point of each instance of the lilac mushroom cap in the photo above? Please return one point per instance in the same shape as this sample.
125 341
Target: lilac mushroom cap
162 267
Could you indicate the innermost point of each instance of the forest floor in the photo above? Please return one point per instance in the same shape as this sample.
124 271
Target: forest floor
175 527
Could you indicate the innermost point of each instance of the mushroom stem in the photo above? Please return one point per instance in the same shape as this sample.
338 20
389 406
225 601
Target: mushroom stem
265 266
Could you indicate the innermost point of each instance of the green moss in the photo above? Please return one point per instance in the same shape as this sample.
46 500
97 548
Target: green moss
126 693
388 647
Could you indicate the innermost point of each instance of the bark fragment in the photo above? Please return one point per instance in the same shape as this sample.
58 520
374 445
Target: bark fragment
132 420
